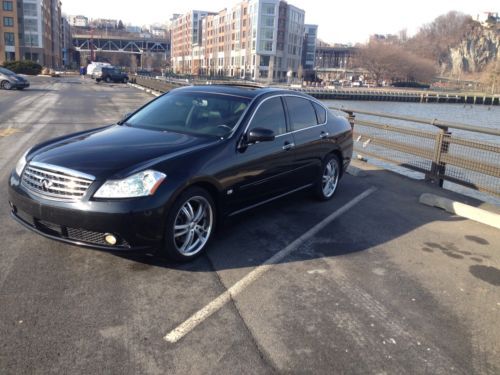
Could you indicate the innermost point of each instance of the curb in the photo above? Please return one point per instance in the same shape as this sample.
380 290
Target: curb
461 209
149 91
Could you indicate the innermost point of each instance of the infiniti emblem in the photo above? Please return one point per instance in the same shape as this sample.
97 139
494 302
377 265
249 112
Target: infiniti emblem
46 184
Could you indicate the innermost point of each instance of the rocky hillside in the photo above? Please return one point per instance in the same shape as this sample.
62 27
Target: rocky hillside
479 48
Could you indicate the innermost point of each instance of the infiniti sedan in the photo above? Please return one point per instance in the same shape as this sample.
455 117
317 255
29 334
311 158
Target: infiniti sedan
160 179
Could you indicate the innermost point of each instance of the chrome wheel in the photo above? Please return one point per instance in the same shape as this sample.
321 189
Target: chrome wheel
330 178
6 85
193 225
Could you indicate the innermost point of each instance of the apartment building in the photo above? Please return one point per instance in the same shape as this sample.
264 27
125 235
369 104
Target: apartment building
9 31
255 39
40 31
309 51
185 33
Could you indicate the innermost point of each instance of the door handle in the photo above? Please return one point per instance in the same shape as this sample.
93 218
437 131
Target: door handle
324 135
288 146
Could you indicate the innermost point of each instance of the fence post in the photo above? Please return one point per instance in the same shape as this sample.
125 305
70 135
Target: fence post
441 147
351 118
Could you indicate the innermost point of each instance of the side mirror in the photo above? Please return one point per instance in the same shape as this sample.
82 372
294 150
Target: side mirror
259 135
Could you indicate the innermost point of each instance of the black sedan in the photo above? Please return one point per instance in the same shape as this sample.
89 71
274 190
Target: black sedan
162 177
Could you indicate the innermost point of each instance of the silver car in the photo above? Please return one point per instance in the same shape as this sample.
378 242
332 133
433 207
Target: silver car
10 80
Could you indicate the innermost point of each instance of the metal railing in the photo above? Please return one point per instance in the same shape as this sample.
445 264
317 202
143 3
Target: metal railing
469 157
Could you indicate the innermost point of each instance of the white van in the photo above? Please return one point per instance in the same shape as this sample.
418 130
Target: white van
93 65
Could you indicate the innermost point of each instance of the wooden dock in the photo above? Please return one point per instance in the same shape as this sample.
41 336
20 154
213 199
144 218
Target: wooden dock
402 96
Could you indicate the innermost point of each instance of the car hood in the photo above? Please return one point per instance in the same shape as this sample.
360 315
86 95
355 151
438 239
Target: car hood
112 151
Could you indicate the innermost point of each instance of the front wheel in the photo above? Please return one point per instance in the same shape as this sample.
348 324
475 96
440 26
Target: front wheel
190 225
329 180
108 80
6 85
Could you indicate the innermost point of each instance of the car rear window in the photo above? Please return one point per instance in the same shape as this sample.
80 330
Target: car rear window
301 111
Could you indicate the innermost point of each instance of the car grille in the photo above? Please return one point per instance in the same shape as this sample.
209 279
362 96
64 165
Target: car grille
54 184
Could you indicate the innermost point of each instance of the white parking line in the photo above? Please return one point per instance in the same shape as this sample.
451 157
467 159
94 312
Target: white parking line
198 317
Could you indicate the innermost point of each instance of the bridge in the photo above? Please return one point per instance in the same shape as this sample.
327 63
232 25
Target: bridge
119 42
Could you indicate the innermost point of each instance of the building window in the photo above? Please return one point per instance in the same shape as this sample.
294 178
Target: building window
9 39
7 6
8 21
30 25
29 9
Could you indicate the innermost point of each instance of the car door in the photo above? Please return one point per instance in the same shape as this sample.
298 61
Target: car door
264 170
309 135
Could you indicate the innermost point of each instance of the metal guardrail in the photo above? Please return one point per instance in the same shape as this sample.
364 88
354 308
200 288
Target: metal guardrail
470 161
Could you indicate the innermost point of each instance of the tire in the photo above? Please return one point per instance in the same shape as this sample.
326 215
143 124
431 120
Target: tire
6 85
125 80
108 80
328 181
188 231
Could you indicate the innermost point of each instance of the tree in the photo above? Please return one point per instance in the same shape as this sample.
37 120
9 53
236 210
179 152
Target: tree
434 40
388 61
120 25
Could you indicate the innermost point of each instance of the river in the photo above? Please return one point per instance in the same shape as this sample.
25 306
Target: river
474 115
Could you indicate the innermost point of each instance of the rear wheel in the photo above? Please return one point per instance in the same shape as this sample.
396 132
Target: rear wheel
6 85
190 225
329 180
125 80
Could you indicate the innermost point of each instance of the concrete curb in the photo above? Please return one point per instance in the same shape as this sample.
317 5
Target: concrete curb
149 91
461 209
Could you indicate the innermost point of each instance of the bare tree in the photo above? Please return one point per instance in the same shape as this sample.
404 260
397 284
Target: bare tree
388 61
435 39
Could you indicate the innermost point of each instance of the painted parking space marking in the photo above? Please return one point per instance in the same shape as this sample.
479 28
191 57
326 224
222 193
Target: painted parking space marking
187 326
9 131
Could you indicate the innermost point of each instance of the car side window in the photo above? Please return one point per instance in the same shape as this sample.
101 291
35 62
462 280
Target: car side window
270 115
320 113
301 111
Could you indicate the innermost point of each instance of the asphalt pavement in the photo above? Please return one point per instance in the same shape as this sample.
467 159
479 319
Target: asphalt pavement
371 282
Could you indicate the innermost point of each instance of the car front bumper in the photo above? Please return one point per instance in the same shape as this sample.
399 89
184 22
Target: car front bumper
136 223
20 85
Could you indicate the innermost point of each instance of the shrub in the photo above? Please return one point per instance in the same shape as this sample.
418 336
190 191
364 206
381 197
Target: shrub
23 67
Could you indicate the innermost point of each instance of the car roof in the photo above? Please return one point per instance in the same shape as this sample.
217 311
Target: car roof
249 92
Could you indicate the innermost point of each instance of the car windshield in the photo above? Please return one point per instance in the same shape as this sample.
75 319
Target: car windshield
7 72
191 113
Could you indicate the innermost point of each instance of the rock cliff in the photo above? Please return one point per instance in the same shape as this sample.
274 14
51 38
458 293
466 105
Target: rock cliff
480 47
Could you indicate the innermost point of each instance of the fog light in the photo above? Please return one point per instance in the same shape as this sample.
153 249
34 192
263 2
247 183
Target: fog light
110 239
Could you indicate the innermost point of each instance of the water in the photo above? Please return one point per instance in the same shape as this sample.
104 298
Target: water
473 115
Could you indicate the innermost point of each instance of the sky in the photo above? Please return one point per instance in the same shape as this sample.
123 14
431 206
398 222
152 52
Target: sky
347 21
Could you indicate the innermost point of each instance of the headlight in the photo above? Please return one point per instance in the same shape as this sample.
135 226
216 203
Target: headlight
138 185
21 163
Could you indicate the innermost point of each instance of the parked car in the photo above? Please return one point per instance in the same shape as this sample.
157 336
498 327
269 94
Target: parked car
164 176
110 74
10 80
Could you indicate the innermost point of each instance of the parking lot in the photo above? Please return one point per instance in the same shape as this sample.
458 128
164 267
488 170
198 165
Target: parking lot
370 282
